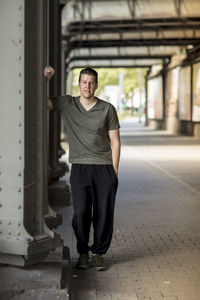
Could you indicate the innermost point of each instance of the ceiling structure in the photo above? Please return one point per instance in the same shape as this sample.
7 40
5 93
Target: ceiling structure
129 32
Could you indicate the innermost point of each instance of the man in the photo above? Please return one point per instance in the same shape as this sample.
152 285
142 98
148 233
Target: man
92 128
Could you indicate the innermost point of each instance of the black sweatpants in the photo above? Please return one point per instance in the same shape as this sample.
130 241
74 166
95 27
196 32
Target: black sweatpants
93 191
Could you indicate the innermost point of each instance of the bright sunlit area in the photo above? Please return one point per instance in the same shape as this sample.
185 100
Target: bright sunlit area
123 87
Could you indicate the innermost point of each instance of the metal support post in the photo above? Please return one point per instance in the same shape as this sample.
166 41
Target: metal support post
140 94
24 236
57 87
55 151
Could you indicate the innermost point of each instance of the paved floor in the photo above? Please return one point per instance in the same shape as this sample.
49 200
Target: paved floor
155 252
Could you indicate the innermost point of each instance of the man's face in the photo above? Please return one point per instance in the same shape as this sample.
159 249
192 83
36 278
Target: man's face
87 86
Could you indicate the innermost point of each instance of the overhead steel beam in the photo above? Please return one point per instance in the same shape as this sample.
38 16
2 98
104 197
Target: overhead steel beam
127 51
140 20
114 57
83 65
142 25
193 54
76 30
131 42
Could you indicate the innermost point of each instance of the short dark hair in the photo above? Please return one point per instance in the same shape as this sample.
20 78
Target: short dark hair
88 71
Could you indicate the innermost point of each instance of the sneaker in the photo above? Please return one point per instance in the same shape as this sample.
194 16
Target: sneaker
98 262
83 262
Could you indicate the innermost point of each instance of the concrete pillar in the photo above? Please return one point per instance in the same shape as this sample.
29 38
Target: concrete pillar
155 98
173 91
171 100
24 236
195 98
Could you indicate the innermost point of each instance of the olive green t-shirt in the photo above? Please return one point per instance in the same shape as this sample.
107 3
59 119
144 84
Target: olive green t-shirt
87 131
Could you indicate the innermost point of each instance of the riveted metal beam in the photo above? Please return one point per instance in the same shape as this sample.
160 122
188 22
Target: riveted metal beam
12 125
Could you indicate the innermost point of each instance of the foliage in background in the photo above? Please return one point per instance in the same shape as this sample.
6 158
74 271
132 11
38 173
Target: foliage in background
110 76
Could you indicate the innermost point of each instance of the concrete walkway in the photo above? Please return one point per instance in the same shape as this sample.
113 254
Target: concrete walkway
155 252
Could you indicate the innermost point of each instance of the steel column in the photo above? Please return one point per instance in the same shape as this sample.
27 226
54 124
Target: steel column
57 169
24 236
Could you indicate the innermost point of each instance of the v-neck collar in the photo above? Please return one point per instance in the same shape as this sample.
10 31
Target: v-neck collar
83 108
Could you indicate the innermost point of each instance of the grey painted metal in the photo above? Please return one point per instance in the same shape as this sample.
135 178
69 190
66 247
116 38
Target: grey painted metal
23 232
52 218
54 118
12 125
95 43
57 87
119 52
101 9
119 57
130 24
109 63
155 26
56 169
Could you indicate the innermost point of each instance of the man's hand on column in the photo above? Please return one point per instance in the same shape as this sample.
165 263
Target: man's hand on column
49 104
48 72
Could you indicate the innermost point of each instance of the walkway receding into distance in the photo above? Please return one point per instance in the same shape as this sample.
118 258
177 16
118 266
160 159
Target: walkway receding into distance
155 252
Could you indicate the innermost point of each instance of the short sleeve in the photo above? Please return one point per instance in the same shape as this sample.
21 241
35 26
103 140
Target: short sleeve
59 102
113 121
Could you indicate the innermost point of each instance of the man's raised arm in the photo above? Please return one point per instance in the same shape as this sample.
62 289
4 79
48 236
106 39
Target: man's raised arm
48 74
